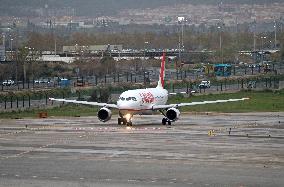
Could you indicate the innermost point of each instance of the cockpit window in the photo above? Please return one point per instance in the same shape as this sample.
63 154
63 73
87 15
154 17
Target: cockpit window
134 99
122 98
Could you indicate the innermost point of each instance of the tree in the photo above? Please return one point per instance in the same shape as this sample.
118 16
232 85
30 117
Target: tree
107 65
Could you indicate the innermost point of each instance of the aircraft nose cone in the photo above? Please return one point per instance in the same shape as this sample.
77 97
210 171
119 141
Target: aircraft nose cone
128 105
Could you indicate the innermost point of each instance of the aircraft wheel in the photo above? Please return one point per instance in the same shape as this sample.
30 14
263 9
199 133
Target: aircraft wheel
164 121
124 121
121 121
169 123
129 124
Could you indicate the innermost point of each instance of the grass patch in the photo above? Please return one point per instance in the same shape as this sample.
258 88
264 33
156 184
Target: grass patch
260 101
67 110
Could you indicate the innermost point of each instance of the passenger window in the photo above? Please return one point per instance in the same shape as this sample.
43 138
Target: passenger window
128 98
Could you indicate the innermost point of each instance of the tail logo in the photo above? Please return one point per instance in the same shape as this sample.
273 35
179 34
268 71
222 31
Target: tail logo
162 72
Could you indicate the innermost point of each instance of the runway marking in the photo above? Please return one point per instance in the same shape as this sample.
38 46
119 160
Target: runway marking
34 176
3 174
12 133
118 129
82 178
55 177
17 175
132 180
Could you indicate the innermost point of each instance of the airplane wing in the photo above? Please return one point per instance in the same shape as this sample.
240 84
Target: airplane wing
86 103
157 107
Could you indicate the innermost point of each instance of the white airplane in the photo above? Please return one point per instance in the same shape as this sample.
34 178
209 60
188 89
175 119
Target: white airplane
140 101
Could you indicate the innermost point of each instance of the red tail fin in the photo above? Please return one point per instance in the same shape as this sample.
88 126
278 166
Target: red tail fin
161 82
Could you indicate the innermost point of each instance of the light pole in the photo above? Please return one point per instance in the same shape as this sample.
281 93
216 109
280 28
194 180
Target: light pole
11 48
262 53
275 33
181 21
145 43
31 51
220 43
4 48
281 24
144 59
24 64
254 41
254 36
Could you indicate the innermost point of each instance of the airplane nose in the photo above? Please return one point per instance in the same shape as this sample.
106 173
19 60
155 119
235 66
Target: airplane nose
127 105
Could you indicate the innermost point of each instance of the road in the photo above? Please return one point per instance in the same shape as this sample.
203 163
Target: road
85 152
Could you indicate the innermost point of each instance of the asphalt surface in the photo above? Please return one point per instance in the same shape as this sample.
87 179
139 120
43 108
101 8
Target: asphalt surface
195 151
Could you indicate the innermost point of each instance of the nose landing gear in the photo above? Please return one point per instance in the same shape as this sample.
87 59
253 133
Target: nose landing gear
125 121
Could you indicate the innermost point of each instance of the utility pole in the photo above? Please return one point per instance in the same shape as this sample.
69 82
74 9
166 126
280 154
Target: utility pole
275 33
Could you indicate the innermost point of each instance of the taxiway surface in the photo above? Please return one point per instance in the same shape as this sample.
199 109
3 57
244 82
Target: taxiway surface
199 150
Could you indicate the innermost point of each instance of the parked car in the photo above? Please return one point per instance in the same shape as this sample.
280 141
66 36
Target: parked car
204 84
8 82
64 82
251 84
41 81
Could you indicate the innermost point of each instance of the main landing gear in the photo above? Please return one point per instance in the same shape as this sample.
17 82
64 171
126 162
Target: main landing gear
165 121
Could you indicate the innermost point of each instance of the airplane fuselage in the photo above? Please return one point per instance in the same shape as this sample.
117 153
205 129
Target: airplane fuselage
141 100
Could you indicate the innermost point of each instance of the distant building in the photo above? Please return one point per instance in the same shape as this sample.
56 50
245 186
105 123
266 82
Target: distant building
2 53
91 48
55 58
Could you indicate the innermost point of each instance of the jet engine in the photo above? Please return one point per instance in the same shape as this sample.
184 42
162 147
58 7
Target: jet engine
173 114
104 114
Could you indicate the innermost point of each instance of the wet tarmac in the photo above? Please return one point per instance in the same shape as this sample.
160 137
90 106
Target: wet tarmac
198 150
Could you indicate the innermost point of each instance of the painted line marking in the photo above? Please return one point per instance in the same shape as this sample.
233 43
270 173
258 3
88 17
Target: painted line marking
132 180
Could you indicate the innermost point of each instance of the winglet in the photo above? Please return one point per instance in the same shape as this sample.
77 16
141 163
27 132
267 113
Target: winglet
161 81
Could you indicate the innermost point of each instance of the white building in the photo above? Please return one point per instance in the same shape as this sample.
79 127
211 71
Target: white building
56 58
91 48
